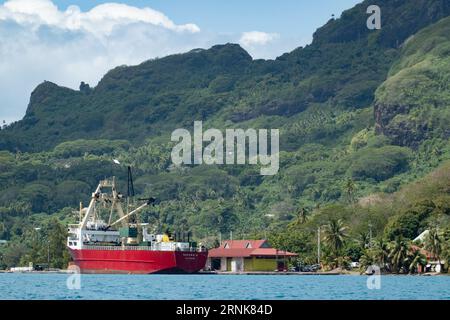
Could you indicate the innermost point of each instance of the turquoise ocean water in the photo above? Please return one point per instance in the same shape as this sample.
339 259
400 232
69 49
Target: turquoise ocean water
226 287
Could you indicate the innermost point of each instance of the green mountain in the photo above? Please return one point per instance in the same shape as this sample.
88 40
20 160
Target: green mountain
342 67
362 114
413 103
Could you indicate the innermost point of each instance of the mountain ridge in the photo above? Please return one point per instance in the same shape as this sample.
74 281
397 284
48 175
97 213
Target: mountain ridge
343 65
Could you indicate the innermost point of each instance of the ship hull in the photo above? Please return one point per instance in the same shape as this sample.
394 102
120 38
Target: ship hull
138 261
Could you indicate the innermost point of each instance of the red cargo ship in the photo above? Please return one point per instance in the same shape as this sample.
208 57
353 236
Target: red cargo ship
137 260
97 247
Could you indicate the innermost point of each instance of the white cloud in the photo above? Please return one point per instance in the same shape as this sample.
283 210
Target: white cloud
263 45
40 42
257 38
100 20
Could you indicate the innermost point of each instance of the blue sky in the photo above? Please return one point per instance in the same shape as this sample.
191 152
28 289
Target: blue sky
69 41
288 17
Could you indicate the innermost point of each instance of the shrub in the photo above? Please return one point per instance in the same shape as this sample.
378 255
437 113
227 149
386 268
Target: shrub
379 164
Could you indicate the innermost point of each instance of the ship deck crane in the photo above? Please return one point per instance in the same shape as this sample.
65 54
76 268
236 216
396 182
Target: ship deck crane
114 199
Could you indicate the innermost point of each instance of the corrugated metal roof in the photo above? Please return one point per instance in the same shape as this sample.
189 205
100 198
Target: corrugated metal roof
243 244
246 249
426 253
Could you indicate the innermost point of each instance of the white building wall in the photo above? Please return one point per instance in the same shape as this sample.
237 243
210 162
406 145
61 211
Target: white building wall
223 264
237 265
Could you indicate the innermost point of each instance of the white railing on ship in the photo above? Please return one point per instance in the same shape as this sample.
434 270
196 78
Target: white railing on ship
141 248
112 248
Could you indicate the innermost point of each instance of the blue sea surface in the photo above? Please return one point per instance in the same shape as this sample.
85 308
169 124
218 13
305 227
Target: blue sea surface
220 287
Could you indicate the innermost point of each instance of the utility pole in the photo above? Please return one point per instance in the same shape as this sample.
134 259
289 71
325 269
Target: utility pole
48 255
276 257
318 246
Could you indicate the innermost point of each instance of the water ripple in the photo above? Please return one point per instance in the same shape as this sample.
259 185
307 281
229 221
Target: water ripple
200 287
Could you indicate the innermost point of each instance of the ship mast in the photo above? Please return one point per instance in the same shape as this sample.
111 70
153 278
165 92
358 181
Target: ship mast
115 199
90 209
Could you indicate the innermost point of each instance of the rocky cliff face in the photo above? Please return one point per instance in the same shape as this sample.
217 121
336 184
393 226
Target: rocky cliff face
413 104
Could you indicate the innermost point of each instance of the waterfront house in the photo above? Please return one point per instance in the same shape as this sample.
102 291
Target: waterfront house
247 256
433 264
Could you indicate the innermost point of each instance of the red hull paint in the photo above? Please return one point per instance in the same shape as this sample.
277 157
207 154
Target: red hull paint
138 261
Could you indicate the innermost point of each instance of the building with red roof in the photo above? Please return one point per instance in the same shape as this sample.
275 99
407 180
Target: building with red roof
248 255
433 264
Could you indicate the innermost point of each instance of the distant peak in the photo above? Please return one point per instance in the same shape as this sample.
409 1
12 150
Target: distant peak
45 84
228 46
197 50
42 92
231 50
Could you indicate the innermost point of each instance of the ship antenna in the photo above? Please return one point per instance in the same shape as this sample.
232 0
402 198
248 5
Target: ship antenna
130 183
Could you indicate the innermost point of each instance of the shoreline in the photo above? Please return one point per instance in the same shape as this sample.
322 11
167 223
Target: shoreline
251 273
349 273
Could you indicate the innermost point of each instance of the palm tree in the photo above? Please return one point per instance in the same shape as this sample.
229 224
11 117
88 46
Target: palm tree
377 255
302 217
433 243
363 240
335 234
414 259
369 258
382 253
398 253
350 189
